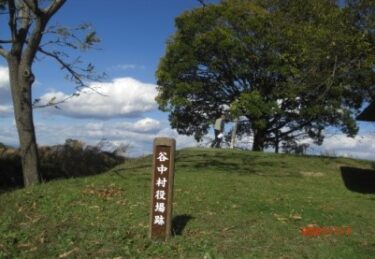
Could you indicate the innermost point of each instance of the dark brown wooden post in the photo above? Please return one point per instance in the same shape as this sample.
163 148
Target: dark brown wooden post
162 188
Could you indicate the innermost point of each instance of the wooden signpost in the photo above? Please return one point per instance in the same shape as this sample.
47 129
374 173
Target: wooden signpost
162 188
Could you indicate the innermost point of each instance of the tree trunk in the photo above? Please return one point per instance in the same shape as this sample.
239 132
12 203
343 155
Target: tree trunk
21 80
259 139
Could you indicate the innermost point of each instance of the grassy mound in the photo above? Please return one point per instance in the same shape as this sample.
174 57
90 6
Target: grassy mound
227 204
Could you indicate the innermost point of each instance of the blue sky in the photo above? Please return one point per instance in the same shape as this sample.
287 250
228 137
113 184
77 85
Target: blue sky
134 35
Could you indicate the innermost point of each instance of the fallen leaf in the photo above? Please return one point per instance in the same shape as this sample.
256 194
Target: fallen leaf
279 218
106 193
66 254
312 225
27 245
122 202
295 217
227 229
42 237
143 225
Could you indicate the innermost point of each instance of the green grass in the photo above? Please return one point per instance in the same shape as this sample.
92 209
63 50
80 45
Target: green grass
235 204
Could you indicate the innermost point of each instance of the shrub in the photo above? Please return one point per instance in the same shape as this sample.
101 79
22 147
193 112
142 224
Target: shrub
73 159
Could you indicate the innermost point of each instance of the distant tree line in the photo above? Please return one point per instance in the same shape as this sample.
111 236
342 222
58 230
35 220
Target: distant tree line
72 159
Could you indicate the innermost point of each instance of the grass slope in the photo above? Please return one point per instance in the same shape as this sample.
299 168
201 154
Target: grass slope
227 204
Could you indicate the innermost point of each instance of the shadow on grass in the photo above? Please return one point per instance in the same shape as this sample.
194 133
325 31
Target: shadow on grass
179 223
358 180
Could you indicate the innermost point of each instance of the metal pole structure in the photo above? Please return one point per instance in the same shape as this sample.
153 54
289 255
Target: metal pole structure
234 133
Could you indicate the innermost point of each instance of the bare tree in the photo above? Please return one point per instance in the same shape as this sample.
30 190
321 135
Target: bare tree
29 35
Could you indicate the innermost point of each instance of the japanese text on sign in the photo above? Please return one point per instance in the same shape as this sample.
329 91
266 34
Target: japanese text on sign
160 193
162 188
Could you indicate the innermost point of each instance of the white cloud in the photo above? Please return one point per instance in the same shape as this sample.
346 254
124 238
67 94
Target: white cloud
139 135
4 85
8 134
123 97
138 130
338 144
4 77
362 146
181 140
147 125
342 142
6 110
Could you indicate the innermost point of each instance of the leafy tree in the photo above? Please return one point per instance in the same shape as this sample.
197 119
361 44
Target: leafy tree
290 67
361 13
29 36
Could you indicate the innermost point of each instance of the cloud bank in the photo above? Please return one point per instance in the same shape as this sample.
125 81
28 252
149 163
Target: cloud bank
6 109
123 97
139 134
4 86
362 146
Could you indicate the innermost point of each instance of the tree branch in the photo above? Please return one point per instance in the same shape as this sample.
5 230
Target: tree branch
299 127
4 53
25 25
40 24
34 41
6 41
74 74
202 2
12 19
52 103
52 9
77 77
33 6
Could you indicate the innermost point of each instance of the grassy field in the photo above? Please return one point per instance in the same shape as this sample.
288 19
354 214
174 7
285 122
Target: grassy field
227 204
